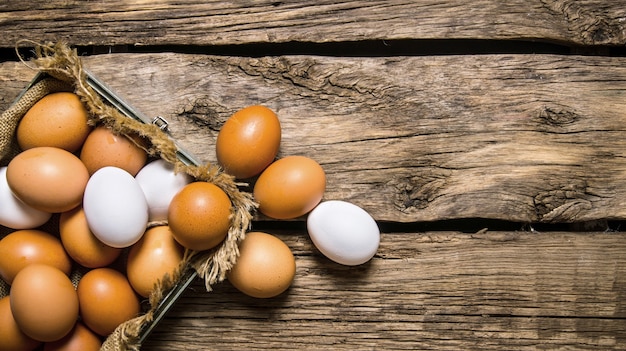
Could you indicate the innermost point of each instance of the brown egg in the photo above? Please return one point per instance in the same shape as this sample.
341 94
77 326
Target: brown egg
290 187
24 247
106 300
12 337
153 256
265 267
80 243
48 178
58 120
44 302
79 339
199 216
248 141
104 148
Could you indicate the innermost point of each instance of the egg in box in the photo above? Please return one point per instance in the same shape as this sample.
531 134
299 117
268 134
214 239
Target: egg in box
84 217
128 196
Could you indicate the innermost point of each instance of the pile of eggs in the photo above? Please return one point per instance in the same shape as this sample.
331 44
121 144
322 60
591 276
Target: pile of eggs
79 256
106 192
287 188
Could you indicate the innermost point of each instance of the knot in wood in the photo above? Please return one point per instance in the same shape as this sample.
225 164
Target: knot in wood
563 202
205 113
591 24
557 116
418 192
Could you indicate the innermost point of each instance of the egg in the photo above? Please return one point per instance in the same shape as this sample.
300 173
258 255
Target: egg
29 246
106 300
343 232
47 178
265 267
58 120
290 187
79 339
44 302
105 148
248 141
160 182
13 339
199 216
153 256
15 214
115 207
80 243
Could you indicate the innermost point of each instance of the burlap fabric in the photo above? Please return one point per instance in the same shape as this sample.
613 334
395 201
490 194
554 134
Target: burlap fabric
65 72
11 117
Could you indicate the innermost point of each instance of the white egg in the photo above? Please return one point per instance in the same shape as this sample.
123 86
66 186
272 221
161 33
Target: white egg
14 213
160 183
115 207
343 232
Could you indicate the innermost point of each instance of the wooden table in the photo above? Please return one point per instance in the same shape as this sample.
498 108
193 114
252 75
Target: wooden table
487 138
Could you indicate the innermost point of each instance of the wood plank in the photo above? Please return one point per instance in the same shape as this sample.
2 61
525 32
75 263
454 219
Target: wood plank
428 291
524 138
119 22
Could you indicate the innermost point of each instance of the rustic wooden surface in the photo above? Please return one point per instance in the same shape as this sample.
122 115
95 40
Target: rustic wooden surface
161 22
521 139
427 291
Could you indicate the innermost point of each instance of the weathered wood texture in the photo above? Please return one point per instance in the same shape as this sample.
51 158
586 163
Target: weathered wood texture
523 138
120 22
424 291
514 137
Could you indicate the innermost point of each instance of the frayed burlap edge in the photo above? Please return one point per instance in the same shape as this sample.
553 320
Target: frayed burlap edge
61 62
10 118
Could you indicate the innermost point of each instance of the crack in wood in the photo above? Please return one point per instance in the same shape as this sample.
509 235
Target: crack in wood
312 79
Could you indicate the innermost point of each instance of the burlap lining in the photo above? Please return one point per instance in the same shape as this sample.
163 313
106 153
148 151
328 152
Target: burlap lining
65 69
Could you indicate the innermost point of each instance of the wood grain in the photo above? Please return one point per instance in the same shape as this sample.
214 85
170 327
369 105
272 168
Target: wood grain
520 138
426 291
516 137
200 23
